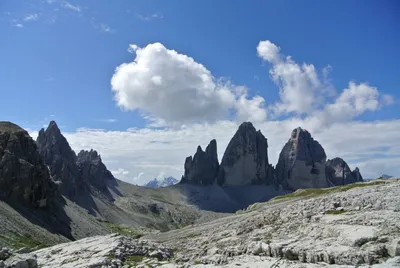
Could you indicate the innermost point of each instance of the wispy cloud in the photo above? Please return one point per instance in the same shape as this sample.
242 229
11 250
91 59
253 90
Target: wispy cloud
18 25
70 6
150 17
109 120
31 17
105 28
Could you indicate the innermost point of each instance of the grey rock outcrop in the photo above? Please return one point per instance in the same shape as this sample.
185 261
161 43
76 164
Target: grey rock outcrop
245 160
203 168
92 170
339 173
24 178
301 162
61 160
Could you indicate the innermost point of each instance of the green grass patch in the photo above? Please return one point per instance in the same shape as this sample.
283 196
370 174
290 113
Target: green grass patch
123 230
16 241
335 212
320 191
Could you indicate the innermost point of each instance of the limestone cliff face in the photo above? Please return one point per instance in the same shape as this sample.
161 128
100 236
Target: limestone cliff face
24 178
301 162
203 168
92 170
245 160
339 173
61 160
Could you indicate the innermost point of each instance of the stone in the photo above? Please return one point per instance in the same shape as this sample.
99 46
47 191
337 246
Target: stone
245 160
301 162
23 250
22 261
394 248
24 178
339 173
203 168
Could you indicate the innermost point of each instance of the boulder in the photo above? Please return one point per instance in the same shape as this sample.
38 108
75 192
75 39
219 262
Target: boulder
203 168
301 162
339 173
24 178
245 160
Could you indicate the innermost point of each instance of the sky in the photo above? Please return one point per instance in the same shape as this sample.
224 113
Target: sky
145 82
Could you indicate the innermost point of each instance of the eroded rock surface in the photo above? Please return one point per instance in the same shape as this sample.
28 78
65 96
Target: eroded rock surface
301 162
339 173
351 226
24 178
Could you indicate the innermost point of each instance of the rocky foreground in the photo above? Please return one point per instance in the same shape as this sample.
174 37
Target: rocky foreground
352 225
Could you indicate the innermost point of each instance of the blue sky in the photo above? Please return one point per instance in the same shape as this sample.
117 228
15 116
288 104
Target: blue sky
58 58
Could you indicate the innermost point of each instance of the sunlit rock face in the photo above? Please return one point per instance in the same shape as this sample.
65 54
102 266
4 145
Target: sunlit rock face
245 160
301 162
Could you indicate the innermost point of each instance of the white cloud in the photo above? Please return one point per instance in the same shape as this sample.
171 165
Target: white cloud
31 17
175 88
69 6
109 120
303 91
299 85
268 51
18 25
150 17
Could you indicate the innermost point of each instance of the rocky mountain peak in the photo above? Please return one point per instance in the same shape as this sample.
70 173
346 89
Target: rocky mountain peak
6 126
92 169
24 178
301 162
203 168
245 160
339 173
61 160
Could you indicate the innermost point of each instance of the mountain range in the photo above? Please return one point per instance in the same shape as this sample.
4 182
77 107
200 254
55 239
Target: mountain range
156 183
50 195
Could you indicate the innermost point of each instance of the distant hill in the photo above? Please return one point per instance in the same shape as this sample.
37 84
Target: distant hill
155 183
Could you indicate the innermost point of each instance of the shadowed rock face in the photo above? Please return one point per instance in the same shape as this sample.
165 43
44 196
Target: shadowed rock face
301 162
245 160
93 170
203 168
61 160
24 178
339 173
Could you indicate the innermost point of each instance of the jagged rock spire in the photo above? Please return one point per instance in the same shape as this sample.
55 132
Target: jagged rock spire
93 170
245 160
61 160
339 173
301 162
203 168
